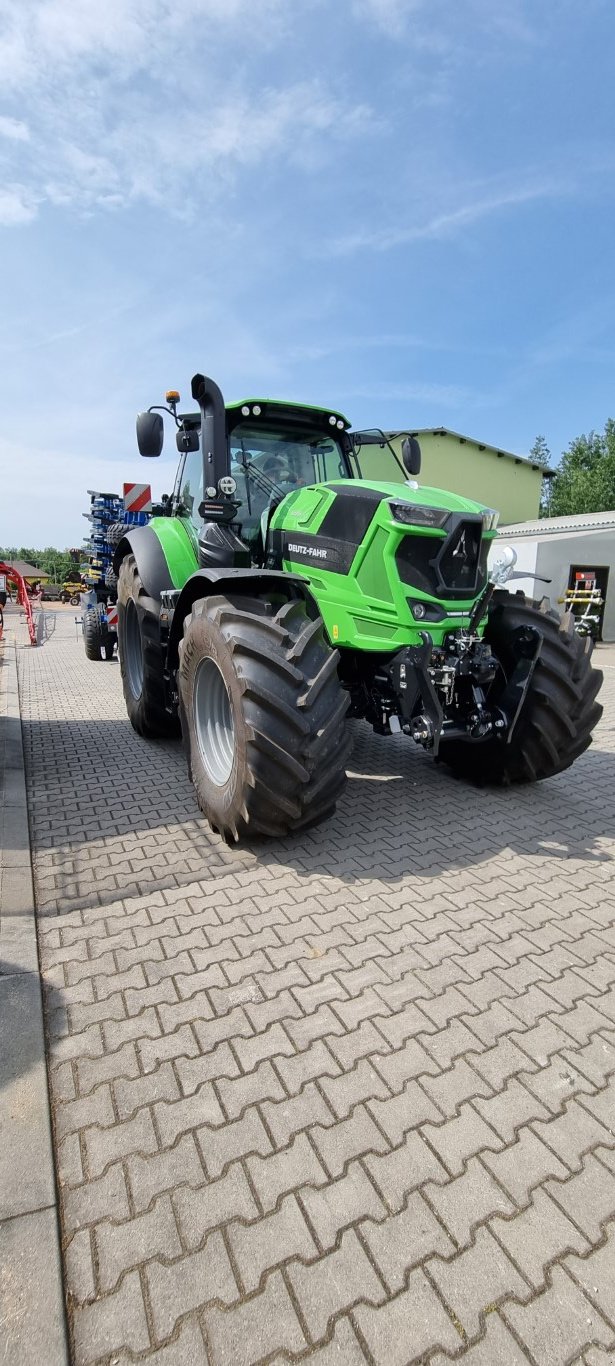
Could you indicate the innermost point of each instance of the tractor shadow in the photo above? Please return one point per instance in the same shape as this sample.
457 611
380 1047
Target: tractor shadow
95 787
401 816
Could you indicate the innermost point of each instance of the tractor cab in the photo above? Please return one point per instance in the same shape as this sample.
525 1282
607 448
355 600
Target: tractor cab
276 449
239 461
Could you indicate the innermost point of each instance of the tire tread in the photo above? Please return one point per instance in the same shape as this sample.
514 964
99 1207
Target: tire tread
149 715
293 708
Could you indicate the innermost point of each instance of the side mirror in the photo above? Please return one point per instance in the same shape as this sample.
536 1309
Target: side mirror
187 440
411 456
150 434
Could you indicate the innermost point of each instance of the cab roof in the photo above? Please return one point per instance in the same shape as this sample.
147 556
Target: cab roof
275 409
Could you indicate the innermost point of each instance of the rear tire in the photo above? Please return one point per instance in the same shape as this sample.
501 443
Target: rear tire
141 655
262 713
559 711
115 532
93 632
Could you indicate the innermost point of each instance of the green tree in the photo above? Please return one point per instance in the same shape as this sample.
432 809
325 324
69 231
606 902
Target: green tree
59 564
585 478
56 563
541 455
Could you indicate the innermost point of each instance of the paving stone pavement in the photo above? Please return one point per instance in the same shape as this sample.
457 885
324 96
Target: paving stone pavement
347 1097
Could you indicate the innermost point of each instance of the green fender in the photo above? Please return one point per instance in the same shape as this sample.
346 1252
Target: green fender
165 551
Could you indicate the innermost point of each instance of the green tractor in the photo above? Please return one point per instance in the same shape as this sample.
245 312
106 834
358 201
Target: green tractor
281 593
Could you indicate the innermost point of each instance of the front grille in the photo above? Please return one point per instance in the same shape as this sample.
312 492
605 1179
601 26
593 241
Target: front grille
454 567
459 561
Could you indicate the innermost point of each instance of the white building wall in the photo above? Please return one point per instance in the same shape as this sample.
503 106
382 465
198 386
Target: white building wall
557 553
551 555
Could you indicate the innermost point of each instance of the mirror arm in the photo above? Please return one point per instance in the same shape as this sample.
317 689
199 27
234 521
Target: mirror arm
385 442
160 408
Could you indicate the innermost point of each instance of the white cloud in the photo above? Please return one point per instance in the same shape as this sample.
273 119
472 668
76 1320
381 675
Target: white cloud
41 38
445 25
449 222
513 20
17 206
14 129
578 170
390 16
130 101
156 154
246 128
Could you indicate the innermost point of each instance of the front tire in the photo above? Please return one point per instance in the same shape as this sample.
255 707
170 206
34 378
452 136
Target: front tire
559 711
141 655
262 713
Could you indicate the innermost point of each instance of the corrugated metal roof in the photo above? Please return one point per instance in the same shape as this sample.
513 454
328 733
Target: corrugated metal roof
472 440
550 526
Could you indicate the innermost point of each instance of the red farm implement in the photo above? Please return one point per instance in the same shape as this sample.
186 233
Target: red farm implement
10 576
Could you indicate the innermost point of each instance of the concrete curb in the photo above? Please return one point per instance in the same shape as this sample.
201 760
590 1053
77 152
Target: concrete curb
32 1313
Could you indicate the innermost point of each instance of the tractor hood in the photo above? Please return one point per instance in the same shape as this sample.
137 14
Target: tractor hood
418 496
379 557
345 508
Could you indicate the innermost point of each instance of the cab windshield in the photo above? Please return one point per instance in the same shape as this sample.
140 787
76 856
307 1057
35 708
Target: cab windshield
286 457
268 463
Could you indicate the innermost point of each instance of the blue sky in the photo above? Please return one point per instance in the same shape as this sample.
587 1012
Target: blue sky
400 208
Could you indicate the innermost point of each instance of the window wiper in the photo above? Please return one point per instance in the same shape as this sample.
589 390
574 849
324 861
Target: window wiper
261 479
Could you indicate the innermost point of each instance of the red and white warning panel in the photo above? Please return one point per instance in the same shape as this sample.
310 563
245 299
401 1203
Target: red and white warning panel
112 618
137 497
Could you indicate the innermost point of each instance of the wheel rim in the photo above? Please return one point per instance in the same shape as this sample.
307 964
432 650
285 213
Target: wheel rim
213 719
133 654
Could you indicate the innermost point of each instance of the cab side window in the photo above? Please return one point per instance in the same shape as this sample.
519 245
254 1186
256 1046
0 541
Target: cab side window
191 486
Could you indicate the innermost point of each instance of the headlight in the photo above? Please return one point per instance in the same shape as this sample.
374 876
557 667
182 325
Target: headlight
490 519
418 514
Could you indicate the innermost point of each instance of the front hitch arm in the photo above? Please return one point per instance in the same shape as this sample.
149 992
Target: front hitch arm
409 673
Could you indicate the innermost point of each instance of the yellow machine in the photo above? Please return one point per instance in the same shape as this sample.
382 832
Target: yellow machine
585 605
